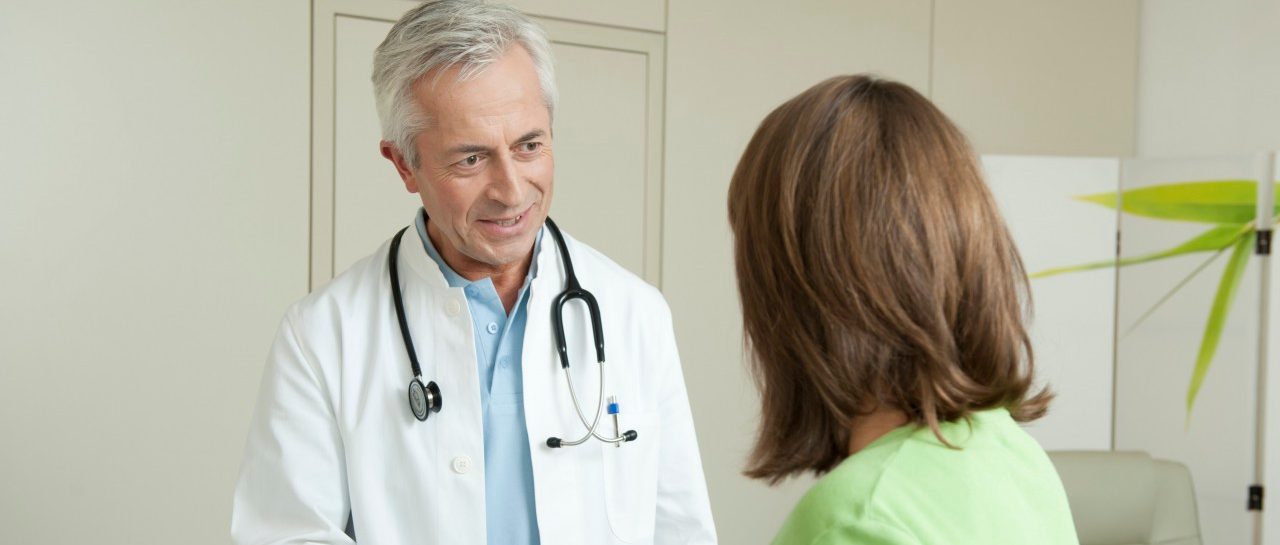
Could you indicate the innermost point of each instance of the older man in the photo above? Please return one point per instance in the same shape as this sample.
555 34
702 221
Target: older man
422 396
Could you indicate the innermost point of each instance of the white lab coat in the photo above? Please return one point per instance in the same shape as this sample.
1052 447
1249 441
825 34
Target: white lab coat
332 435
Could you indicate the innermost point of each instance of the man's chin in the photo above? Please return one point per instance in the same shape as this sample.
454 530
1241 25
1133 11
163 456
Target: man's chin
509 252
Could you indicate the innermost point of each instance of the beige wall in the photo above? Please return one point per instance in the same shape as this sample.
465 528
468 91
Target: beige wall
1038 77
153 216
1208 82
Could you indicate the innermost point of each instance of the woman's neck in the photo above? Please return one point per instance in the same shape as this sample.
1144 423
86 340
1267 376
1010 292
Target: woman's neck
874 425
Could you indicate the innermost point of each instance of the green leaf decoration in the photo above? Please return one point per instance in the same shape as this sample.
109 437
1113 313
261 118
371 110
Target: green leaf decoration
1214 239
1218 317
1230 205
1214 201
1174 290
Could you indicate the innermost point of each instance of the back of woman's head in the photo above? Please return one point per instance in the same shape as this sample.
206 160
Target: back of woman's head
875 272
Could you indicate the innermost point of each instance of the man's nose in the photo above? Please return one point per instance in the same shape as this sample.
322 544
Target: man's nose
507 186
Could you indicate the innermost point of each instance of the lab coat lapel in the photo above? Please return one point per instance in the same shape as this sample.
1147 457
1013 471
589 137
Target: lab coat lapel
443 334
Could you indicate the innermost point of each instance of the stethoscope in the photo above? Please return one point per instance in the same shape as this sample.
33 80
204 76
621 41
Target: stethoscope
426 399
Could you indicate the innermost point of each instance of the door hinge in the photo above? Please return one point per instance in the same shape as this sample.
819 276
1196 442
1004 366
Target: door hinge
1255 497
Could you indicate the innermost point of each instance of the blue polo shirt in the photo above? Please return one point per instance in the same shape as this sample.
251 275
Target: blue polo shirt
509 507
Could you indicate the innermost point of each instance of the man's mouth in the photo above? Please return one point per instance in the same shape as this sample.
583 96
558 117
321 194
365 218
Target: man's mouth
507 222
504 223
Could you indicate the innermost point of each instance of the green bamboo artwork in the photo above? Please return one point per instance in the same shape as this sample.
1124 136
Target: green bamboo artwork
1229 207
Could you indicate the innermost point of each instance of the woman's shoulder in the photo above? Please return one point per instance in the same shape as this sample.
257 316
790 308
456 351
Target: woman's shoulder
842 507
842 501
908 486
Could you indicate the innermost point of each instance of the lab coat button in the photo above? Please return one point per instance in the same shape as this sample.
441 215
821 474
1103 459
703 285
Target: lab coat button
453 307
492 328
461 465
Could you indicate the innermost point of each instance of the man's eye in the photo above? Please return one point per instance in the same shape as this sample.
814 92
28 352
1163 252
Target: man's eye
530 147
470 161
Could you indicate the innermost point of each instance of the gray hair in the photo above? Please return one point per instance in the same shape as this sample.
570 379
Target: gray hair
469 34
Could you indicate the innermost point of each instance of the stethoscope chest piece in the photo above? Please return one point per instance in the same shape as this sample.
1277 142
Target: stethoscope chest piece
424 400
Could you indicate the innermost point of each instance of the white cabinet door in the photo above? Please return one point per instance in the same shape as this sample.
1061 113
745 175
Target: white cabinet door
642 14
607 140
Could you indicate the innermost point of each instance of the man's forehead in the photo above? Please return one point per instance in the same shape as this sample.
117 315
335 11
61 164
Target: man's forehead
462 134
486 120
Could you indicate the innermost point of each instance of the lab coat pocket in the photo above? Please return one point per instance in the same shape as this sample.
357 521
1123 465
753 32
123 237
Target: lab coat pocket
631 480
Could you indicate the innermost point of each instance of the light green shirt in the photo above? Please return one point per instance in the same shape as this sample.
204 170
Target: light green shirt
908 488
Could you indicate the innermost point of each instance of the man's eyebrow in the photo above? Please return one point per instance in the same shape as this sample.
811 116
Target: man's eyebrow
531 135
476 148
467 148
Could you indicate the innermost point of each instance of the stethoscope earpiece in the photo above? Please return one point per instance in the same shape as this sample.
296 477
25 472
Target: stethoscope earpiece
630 435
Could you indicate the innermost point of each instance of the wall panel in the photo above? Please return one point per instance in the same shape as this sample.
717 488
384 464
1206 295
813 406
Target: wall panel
1038 77
153 228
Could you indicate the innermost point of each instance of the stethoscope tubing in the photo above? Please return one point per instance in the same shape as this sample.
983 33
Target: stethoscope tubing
573 290
398 298
431 401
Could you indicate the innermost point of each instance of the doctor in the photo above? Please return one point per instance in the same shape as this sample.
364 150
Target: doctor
337 448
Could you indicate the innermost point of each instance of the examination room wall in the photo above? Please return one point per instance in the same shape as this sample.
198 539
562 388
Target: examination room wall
153 228
154 208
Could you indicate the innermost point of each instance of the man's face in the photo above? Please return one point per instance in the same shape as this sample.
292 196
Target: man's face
485 165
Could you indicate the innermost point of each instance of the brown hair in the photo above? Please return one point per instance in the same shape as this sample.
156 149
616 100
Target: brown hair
874 271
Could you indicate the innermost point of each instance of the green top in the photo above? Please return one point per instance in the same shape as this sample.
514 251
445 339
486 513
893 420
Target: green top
908 488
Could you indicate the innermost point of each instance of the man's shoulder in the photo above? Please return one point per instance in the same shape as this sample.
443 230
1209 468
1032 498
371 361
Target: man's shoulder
342 295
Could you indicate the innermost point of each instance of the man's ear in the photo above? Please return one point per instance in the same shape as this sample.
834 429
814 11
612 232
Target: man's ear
403 168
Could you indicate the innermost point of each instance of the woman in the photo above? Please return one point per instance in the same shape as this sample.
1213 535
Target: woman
882 300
